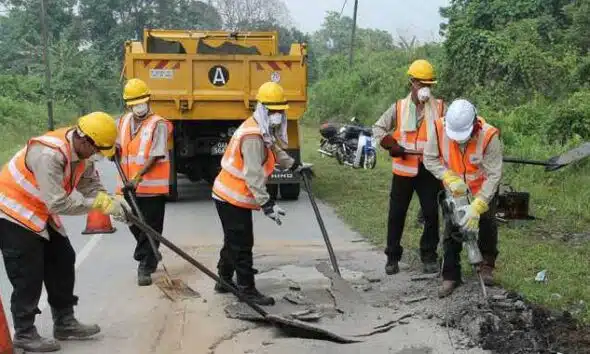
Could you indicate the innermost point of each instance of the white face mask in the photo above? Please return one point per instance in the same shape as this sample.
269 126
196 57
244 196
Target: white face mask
140 110
275 119
423 94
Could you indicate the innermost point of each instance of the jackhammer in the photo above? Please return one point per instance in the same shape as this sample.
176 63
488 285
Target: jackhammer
453 208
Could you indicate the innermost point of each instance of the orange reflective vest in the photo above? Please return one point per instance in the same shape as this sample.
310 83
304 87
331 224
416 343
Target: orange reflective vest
230 184
466 164
414 140
20 197
135 152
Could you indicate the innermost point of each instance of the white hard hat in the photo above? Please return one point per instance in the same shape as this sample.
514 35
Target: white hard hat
459 119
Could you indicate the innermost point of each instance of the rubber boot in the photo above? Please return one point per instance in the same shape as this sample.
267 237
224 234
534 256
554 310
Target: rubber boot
252 294
430 267
30 341
392 267
447 288
144 277
66 326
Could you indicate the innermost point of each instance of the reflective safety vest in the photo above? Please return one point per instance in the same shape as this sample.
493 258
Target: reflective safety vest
230 184
466 164
414 140
20 197
135 152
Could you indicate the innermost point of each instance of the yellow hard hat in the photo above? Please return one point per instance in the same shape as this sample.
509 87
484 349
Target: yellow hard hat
422 71
102 129
272 96
136 91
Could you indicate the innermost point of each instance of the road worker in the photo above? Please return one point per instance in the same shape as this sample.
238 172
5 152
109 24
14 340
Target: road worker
54 174
240 187
406 125
143 144
466 153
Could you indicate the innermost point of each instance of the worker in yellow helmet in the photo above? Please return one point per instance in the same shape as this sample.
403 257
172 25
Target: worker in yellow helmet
54 174
406 125
240 187
145 161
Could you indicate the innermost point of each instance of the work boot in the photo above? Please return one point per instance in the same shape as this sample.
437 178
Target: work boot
144 277
252 294
220 289
31 341
430 267
447 288
392 267
487 275
66 326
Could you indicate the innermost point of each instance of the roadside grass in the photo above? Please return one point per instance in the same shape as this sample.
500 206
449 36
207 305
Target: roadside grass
558 241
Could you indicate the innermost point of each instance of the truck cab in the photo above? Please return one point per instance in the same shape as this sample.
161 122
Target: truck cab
205 83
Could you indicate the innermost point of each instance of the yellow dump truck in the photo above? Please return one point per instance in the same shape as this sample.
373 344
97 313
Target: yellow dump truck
205 83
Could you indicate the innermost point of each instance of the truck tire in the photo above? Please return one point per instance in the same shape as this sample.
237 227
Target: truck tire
173 188
273 190
290 191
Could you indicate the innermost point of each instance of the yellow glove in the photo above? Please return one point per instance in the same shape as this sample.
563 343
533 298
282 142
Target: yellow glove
470 221
103 202
454 183
111 206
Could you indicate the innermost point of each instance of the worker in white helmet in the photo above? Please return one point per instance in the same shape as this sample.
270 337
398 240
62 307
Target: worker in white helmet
466 152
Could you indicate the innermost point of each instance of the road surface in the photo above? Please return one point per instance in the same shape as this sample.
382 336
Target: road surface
142 320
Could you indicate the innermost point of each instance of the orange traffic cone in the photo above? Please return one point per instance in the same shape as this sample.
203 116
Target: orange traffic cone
98 223
5 340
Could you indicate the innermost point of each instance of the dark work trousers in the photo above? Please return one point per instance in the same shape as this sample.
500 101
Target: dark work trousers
238 241
153 209
30 261
487 241
402 190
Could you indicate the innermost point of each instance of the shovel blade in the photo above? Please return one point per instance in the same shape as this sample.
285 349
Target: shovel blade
176 289
569 157
300 329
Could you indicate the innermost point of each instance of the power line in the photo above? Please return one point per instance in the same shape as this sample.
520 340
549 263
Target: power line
356 3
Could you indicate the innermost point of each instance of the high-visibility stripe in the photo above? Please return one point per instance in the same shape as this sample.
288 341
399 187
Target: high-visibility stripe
154 183
218 185
140 160
23 211
404 168
21 180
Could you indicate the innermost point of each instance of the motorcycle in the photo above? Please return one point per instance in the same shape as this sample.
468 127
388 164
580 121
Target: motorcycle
351 144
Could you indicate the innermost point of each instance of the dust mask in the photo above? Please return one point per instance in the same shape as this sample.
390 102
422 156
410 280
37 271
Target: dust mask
423 94
140 110
275 119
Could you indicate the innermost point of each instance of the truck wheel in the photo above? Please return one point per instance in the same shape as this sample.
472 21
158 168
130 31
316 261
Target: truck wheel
290 191
173 193
273 190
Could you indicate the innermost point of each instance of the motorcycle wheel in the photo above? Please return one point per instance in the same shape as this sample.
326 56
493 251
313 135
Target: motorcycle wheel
340 155
370 160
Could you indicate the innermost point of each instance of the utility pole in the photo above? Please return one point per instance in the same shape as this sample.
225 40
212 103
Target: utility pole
356 3
47 68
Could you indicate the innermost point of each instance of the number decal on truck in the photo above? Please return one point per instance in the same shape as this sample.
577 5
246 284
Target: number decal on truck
219 148
218 75
167 74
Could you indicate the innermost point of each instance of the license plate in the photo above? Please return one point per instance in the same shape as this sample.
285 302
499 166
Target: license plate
218 149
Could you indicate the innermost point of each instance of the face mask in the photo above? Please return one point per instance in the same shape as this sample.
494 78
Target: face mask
140 110
423 94
275 119
96 157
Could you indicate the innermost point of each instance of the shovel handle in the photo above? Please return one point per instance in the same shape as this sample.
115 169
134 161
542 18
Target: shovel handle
131 196
321 223
153 233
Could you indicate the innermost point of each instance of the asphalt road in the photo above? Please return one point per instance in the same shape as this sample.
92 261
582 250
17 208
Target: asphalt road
142 320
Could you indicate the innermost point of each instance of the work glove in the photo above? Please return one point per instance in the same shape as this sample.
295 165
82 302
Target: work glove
397 150
470 221
302 168
114 206
454 183
273 211
134 182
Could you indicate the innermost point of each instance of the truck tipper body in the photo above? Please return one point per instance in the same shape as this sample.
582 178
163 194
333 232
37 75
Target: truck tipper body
205 83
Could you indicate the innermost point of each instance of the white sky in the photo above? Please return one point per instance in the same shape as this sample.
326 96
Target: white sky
399 17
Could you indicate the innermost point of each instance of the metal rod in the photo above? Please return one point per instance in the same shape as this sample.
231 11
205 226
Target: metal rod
356 2
321 223
148 230
528 162
47 67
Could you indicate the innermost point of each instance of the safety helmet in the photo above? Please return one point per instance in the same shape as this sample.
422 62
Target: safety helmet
422 71
136 91
271 95
459 119
102 129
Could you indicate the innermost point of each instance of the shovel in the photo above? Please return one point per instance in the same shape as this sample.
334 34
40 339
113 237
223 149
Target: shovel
171 287
291 327
316 210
